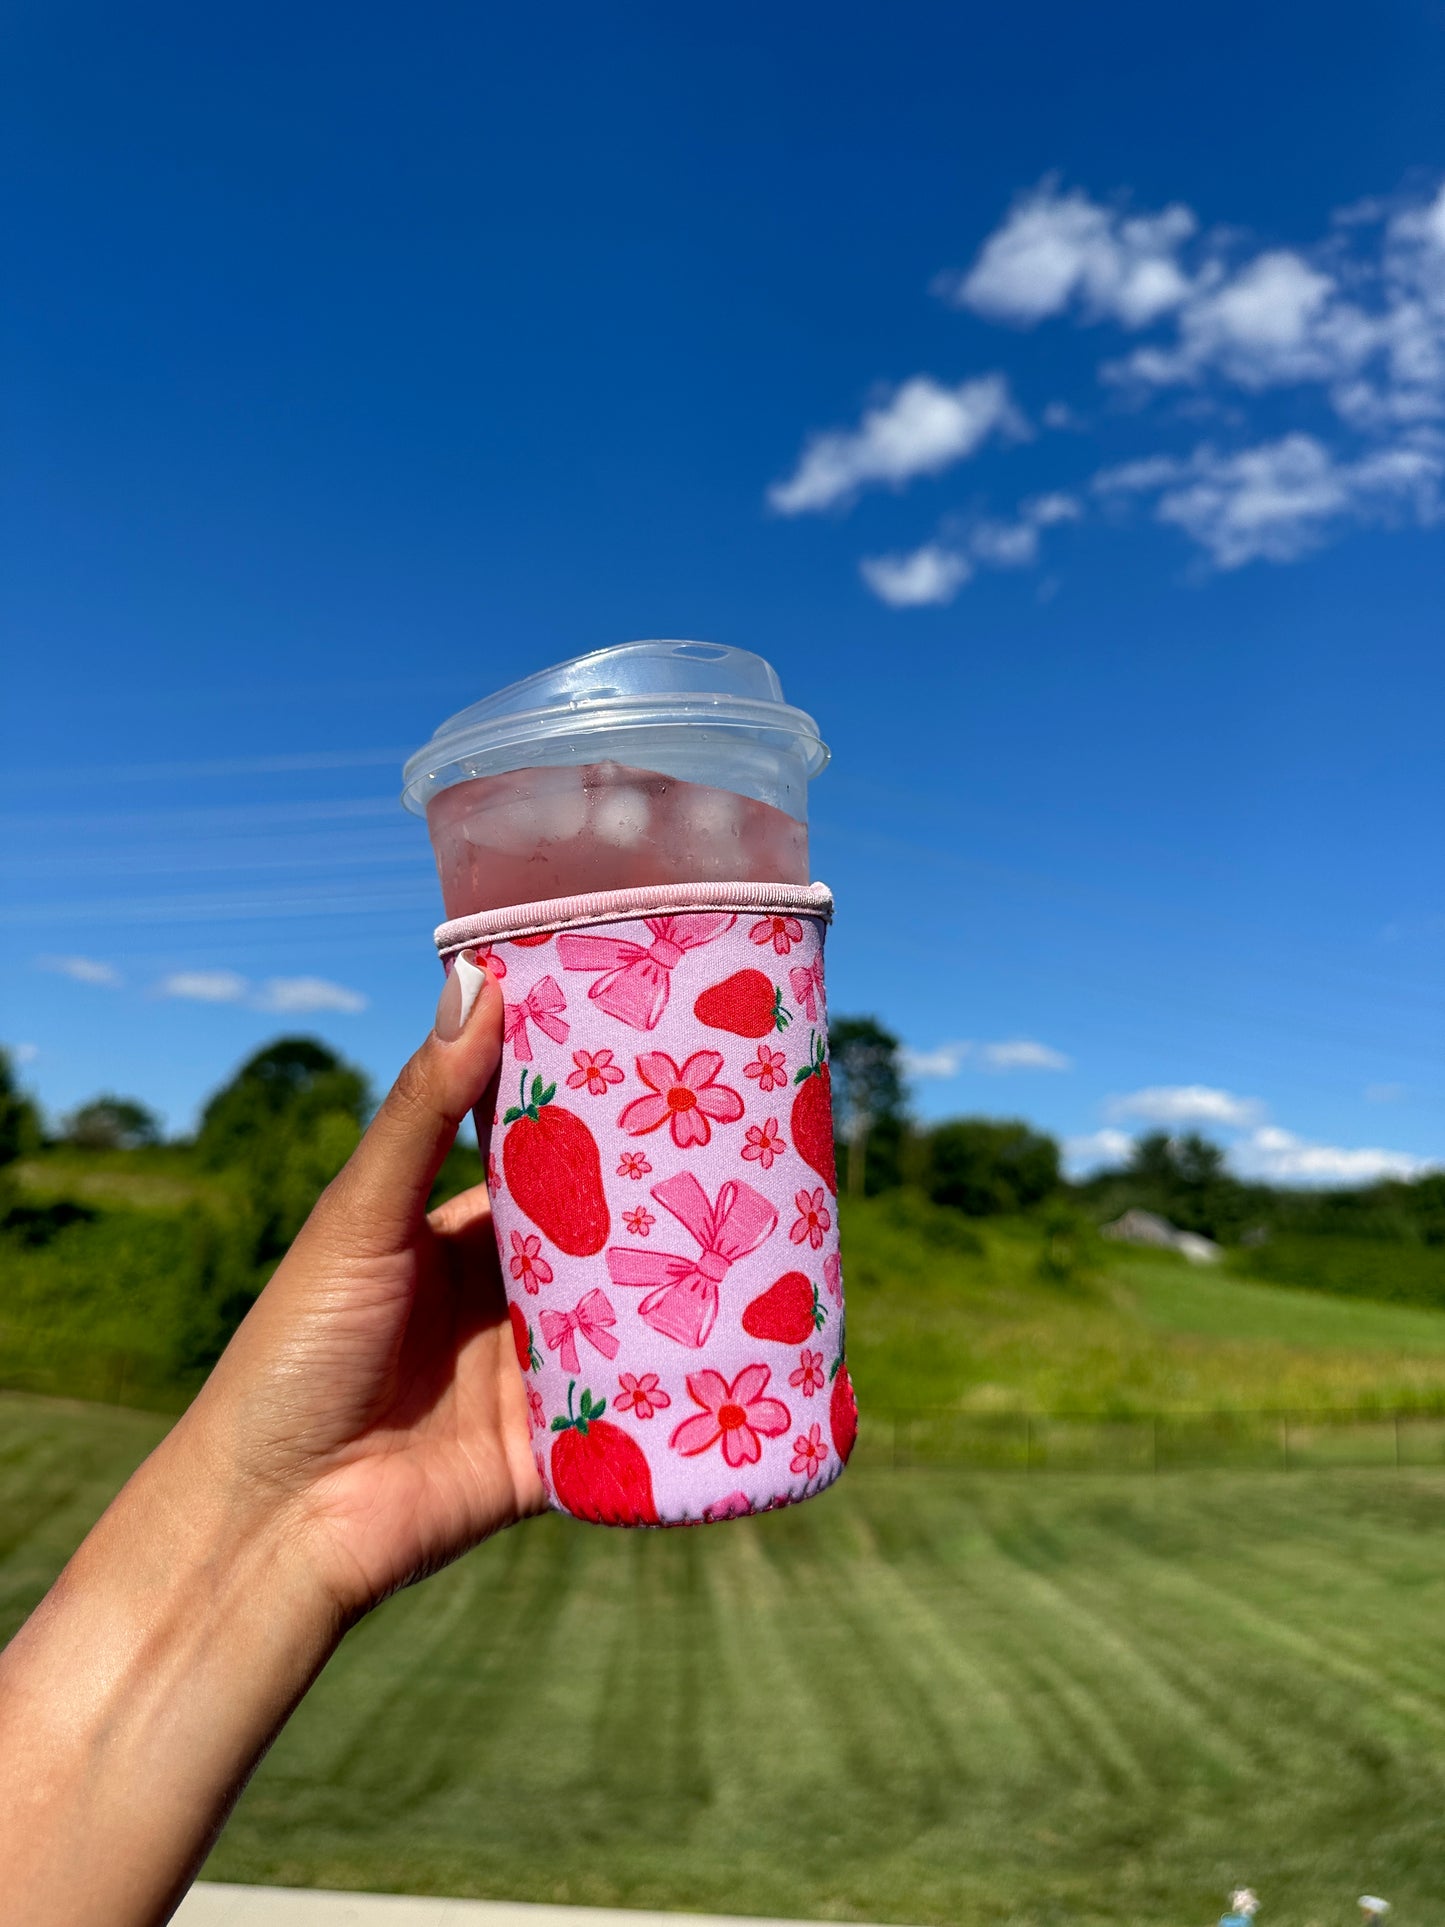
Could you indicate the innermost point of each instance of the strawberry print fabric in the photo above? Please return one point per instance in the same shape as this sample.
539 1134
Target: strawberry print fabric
665 1201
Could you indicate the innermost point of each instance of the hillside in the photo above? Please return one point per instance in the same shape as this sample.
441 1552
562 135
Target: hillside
119 1287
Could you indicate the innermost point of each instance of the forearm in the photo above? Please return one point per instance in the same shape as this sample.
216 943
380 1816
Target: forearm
140 1695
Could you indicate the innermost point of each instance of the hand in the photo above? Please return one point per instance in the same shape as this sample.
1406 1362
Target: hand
372 1400
366 1424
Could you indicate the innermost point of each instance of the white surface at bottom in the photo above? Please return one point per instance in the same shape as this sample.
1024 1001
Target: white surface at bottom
208 1905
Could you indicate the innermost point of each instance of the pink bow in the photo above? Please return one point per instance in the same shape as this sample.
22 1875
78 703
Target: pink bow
589 1318
541 1003
807 982
638 977
682 1293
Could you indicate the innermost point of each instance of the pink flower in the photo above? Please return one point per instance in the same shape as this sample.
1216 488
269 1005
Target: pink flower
536 1412
489 960
809 1452
764 1143
640 1221
812 1220
833 1276
642 1396
809 1376
781 932
734 1413
633 1165
596 1070
494 1175
769 1067
525 1263
684 1098
736 1505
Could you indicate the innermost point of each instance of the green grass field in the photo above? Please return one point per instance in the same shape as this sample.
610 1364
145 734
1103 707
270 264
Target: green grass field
935 1697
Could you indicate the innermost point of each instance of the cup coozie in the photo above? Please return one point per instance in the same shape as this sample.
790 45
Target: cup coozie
664 1196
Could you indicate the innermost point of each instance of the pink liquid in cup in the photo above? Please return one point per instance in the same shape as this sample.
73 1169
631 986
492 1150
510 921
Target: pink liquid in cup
558 832
646 764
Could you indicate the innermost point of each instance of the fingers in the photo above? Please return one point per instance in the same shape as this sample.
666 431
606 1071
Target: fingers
380 1198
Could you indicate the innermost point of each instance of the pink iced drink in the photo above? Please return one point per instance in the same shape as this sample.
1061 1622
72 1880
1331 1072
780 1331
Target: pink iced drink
560 831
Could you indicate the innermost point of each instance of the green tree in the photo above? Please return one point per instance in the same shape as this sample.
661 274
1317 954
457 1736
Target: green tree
286 1123
983 1166
109 1123
19 1120
868 1101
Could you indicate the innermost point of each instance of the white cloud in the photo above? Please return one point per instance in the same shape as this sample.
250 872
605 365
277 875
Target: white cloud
1024 1054
1187 1104
1280 499
937 571
944 1060
284 996
1047 510
1279 1157
83 970
1005 545
1096 1148
929 575
921 429
1013 1054
23 1053
1057 250
204 986
297 995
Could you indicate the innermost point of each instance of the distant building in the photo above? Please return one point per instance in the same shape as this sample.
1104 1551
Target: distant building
1146 1228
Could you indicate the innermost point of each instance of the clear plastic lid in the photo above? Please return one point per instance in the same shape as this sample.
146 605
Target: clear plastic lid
588 709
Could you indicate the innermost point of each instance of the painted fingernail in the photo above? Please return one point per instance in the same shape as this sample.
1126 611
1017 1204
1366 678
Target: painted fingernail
459 997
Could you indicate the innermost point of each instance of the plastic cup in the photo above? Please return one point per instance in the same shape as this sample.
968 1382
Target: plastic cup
644 764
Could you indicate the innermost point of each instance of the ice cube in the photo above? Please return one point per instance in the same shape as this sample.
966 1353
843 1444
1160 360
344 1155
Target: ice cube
620 817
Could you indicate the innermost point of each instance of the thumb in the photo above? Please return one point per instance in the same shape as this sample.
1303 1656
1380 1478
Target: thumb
382 1193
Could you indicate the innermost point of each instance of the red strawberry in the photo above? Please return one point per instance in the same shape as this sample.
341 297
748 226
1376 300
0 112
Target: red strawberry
542 936
813 1115
787 1312
746 1003
528 1357
553 1171
598 1472
843 1413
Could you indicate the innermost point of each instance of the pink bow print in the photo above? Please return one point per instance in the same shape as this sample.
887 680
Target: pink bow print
638 977
589 1318
541 1003
682 1294
807 982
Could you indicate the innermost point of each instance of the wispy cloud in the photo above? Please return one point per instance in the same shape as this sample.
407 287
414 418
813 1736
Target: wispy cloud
1096 1149
920 429
1279 500
1186 1104
1279 1157
944 1060
1011 1054
83 970
1384 1093
934 573
297 995
1023 1054
283 996
23 1053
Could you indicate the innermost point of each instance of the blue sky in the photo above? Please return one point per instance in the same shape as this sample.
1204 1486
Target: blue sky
1058 400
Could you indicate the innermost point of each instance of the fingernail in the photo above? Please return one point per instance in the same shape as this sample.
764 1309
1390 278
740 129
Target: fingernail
459 996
